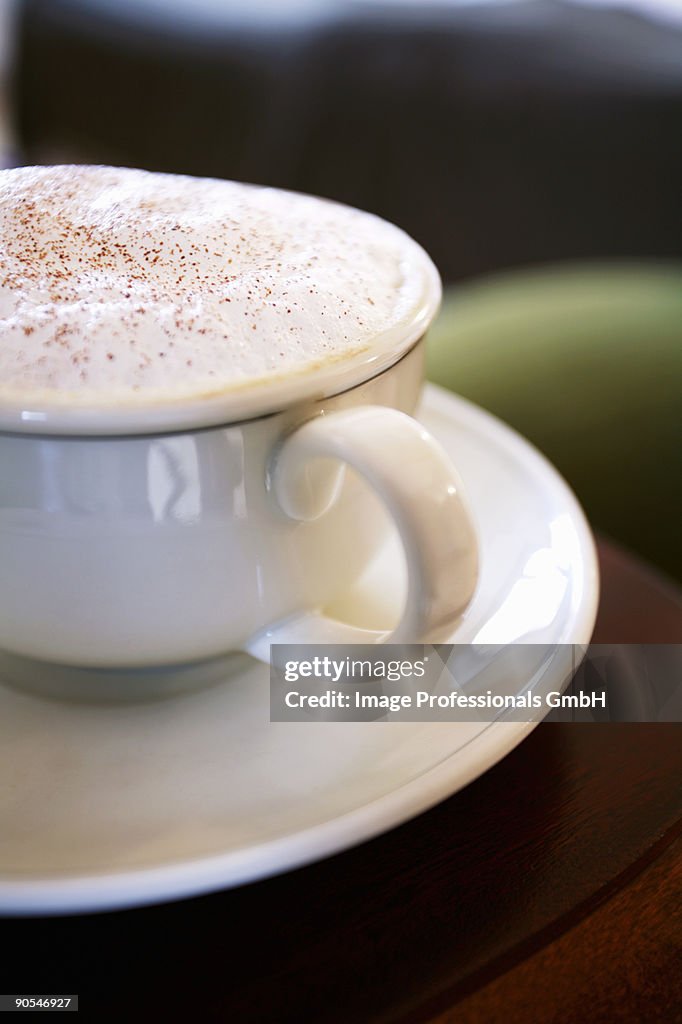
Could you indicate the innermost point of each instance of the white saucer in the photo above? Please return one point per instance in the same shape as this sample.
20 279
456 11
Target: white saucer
116 805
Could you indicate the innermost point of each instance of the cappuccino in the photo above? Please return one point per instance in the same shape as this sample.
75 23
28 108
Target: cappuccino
125 286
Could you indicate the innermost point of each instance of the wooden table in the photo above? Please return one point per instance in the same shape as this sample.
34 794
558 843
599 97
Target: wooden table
548 890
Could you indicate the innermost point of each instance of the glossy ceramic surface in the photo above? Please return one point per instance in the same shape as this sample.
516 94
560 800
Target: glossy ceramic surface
163 550
110 806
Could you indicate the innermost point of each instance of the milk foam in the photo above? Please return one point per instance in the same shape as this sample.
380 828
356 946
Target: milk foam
119 284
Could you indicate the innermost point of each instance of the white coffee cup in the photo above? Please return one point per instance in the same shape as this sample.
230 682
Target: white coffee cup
155 536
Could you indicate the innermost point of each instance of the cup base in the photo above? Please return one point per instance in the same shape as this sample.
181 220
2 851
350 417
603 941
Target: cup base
114 685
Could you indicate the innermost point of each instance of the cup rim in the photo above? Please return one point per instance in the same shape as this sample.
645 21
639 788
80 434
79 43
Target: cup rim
253 400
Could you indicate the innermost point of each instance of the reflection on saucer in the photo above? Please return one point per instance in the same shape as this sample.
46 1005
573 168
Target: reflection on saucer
106 686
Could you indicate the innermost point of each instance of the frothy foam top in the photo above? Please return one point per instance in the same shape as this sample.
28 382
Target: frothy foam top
121 285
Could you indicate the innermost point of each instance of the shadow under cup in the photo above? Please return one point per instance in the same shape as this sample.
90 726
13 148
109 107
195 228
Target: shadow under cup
138 566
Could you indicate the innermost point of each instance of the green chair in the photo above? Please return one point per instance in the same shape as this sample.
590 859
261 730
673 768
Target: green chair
585 360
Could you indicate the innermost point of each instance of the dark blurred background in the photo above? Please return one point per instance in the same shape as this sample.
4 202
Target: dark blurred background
534 148
496 134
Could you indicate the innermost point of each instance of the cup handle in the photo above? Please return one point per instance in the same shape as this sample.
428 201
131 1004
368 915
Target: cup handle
413 476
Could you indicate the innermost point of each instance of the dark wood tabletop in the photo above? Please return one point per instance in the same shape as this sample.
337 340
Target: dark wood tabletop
548 890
